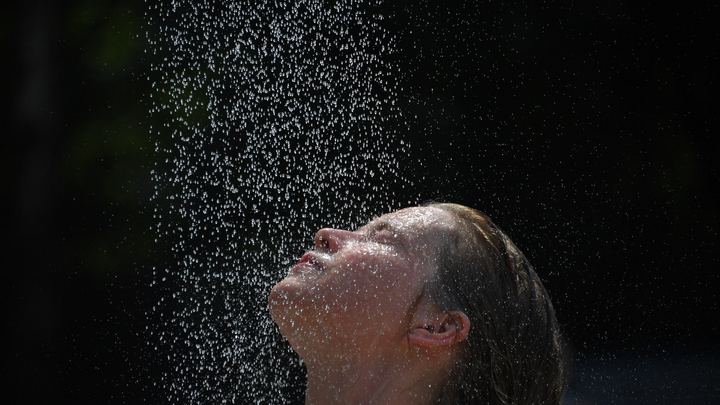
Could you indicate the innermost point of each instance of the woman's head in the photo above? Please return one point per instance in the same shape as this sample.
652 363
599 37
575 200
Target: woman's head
438 287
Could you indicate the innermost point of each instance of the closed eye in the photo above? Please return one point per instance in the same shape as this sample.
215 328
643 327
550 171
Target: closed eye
384 233
385 236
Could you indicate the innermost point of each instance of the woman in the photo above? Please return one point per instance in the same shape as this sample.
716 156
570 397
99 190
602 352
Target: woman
426 305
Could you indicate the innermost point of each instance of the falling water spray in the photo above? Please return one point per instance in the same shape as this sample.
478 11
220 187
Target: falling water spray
278 118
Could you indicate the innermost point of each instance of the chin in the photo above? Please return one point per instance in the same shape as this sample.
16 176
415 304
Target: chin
283 303
284 312
278 301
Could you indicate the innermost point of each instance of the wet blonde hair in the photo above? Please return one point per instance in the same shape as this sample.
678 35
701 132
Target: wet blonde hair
513 353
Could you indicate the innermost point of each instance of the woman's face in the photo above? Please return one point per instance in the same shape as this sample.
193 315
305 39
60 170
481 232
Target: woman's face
360 285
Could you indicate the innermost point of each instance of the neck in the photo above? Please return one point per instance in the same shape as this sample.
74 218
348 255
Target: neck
371 381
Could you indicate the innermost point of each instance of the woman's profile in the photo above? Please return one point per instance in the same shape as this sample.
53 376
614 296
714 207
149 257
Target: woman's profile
425 305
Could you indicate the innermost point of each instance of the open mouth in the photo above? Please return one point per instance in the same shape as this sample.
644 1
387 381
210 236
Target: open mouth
309 261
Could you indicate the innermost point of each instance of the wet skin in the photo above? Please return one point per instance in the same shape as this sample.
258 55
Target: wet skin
357 289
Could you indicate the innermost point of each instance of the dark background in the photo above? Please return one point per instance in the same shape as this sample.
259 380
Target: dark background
587 130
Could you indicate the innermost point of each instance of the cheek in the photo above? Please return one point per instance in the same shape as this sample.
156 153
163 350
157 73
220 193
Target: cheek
362 285
379 288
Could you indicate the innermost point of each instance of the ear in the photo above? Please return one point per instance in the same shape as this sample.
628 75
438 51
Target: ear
445 330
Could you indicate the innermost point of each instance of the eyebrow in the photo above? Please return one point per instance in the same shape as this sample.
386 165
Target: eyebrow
374 226
382 225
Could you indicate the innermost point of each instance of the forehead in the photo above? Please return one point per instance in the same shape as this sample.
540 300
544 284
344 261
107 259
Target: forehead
416 222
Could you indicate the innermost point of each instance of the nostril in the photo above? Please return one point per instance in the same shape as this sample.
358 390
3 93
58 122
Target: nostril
329 239
322 239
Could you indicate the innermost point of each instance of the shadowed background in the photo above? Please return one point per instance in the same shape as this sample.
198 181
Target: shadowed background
588 132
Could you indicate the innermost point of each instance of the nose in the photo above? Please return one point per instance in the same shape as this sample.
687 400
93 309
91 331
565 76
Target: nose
332 240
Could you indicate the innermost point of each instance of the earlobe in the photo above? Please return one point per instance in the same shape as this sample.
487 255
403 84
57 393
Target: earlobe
450 329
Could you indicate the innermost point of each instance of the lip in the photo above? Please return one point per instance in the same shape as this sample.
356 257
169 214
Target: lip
309 261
